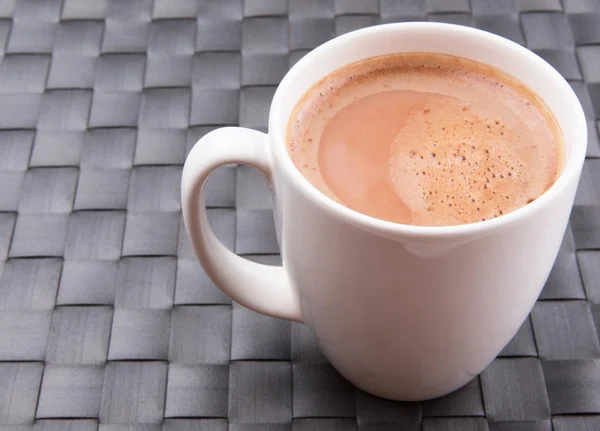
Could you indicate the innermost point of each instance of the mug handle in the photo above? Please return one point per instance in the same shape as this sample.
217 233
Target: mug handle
262 288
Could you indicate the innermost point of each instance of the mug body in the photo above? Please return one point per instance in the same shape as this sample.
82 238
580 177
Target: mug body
410 312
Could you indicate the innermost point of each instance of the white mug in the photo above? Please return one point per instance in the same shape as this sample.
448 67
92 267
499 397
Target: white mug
403 312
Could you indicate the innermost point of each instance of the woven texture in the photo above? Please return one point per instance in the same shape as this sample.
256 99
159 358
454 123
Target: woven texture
107 321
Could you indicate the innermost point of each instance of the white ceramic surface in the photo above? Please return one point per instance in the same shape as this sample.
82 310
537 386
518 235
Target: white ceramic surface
404 312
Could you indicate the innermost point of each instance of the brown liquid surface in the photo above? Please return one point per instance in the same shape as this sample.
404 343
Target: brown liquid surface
425 139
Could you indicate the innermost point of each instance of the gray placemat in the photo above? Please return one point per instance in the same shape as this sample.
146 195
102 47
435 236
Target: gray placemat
107 321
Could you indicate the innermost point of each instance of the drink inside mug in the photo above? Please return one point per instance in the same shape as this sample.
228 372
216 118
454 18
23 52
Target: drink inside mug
425 139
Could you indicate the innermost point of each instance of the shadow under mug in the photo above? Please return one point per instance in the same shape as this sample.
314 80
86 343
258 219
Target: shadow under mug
403 312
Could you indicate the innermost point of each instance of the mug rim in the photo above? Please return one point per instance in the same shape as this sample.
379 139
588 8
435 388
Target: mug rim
570 171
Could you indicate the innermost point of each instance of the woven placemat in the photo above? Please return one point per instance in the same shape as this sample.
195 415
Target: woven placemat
107 322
